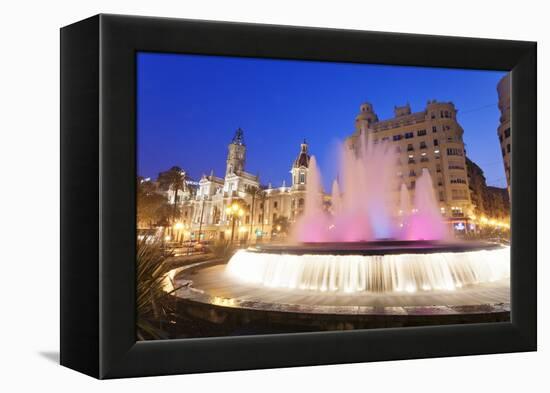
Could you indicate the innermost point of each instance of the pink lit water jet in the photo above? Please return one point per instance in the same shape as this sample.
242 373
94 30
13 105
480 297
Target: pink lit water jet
404 209
313 226
426 222
367 205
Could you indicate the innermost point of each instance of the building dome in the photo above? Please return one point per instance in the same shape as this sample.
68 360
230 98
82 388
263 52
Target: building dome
303 158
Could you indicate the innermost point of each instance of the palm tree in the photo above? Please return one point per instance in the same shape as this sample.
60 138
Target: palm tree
173 179
262 196
252 191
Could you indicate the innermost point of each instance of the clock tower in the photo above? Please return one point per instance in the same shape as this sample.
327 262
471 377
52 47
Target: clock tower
236 154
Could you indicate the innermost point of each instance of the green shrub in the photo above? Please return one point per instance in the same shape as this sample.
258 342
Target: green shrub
153 310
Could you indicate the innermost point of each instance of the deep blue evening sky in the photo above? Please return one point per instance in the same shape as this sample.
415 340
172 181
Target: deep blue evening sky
189 107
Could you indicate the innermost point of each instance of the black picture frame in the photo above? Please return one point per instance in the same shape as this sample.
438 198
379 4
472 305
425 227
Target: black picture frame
98 175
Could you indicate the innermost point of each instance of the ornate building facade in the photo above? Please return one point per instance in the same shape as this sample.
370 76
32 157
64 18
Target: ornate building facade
262 212
431 139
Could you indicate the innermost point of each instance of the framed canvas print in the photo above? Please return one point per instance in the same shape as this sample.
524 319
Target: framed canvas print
239 196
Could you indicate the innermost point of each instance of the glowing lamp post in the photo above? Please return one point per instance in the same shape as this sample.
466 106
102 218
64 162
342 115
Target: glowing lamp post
178 226
233 211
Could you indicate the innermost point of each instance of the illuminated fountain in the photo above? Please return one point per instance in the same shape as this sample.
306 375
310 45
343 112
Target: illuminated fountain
363 245
380 256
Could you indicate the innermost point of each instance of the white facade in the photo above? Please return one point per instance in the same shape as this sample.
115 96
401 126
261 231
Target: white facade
264 209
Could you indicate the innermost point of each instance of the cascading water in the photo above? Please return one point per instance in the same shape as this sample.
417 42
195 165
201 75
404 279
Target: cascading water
407 272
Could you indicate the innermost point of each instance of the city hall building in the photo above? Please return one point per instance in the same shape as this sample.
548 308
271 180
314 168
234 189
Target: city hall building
260 211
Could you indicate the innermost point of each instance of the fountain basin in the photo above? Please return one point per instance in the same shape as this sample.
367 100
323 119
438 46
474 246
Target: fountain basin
371 267
379 247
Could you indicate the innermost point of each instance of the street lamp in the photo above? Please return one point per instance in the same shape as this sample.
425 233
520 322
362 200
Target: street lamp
234 211
178 226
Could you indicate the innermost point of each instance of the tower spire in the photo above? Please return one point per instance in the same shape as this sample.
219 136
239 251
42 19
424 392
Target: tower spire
238 139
